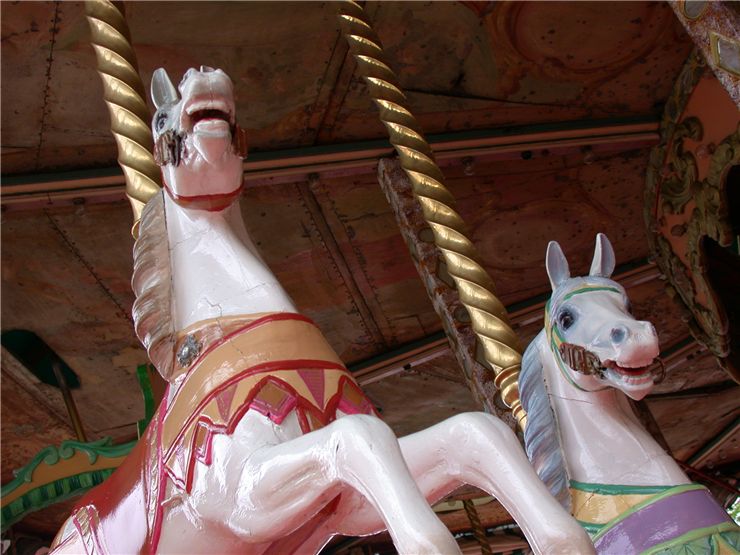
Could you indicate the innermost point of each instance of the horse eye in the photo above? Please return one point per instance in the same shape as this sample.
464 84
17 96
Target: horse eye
566 319
161 120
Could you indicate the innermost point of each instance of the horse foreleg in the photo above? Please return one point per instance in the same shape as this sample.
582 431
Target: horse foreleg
281 486
480 450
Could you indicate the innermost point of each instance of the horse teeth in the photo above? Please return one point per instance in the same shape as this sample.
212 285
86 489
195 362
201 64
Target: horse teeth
200 106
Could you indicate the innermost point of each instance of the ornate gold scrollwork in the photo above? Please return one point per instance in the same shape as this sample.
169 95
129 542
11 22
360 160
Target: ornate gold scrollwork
685 205
677 187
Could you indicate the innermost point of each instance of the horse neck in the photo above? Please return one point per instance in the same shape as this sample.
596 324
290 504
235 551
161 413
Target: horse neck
216 270
590 422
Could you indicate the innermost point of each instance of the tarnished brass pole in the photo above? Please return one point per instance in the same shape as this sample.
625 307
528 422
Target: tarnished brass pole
478 531
474 285
124 95
69 402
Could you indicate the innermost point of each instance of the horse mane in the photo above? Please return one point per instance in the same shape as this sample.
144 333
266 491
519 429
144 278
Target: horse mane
152 284
541 436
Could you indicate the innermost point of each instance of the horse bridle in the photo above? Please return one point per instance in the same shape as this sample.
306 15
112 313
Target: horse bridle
576 357
168 146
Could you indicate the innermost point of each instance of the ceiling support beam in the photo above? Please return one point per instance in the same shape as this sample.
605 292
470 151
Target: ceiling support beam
705 452
267 168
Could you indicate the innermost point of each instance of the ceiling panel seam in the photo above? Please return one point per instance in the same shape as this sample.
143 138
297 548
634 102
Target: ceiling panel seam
363 280
78 255
326 91
340 264
47 85
345 76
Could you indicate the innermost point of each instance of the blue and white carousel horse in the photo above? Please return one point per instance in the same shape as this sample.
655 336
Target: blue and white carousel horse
582 435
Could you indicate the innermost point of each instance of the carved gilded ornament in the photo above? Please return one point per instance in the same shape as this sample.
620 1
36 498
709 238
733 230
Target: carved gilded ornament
686 200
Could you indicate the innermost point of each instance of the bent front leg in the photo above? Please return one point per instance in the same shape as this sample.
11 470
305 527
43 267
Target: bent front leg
480 450
281 486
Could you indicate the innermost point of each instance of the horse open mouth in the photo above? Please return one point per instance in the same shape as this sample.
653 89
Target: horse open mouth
627 370
210 122
210 109
209 114
212 128
632 375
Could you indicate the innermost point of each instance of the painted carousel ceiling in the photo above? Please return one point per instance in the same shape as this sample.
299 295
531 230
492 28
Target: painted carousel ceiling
544 115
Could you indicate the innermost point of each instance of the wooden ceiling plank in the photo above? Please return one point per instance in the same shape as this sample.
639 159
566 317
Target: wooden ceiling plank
333 86
342 85
711 447
356 269
689 423
70 307
26 35
30 423
366 230
335 253
44 395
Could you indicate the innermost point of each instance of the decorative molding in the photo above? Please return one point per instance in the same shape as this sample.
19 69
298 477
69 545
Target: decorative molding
676 188
59 473
685 198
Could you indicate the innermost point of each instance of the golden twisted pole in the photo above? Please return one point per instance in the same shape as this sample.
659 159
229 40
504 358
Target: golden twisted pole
475 287
124 94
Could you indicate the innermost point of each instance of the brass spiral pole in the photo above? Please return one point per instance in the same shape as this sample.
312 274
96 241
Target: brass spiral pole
124 95
475 287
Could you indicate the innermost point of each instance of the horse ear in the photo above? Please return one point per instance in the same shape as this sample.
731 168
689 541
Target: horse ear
163 91
556 264
604 260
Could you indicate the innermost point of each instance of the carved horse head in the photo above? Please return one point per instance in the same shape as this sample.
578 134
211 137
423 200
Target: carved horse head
197 140
596 341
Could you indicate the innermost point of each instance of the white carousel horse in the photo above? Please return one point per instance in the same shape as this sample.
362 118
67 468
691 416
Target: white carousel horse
584 439
264 442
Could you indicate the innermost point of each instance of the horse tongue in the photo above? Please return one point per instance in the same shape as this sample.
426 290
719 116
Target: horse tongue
211 138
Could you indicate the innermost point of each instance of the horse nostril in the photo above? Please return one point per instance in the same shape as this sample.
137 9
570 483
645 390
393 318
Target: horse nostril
206 69
618 334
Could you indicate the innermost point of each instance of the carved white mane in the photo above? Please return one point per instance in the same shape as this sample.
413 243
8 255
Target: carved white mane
542 436
152 285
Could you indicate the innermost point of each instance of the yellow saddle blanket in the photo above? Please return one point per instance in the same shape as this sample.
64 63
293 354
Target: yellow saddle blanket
276 364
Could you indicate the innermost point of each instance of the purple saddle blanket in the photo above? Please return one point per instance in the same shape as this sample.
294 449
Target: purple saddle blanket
683 519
